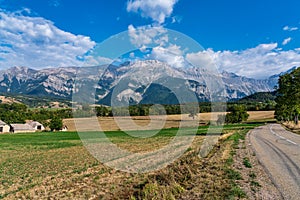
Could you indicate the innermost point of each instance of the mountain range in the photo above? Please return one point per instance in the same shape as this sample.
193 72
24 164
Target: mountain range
149 81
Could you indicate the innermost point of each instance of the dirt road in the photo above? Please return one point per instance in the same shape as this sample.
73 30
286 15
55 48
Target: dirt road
278 150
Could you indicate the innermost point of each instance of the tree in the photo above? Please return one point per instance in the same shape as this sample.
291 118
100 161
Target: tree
56 124
288 98
237 115
101 111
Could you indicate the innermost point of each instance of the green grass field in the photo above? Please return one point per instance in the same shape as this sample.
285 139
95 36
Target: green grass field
48 165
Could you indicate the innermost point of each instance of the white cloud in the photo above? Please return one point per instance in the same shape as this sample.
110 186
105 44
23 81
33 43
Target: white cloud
37 42
171 55
287 28
146 35
286 41
157 10
203 59
177 19
259 62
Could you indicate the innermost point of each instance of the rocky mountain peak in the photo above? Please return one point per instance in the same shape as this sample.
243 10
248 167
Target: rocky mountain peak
138 76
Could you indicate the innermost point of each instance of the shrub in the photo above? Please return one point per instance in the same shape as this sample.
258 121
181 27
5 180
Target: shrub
237 115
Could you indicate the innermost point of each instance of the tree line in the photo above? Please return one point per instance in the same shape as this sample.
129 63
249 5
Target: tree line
19 113
288 97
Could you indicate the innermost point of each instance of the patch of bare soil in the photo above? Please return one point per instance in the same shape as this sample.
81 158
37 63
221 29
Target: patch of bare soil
255 180
8 100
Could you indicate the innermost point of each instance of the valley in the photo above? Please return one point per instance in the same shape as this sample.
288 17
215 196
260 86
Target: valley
149 100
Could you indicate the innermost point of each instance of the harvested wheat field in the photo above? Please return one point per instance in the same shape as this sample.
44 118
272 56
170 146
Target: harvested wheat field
57 166
153 122
260 115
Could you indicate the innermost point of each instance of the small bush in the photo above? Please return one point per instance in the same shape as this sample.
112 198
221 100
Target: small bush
247 163
234 175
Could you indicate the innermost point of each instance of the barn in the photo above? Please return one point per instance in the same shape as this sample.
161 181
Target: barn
36 125
21 128
4 128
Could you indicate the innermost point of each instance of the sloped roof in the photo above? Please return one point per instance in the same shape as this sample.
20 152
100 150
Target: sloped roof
2 123
19 127
34 123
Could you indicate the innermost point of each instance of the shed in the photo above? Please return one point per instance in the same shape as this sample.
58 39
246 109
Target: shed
64 128
21 128
4 128
36 125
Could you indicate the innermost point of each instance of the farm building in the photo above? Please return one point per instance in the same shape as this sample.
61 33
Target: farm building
64 128
21 128
4 128
36 125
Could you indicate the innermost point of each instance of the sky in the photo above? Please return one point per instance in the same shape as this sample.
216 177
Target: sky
250 38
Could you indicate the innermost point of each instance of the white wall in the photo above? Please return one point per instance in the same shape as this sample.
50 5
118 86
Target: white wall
6 129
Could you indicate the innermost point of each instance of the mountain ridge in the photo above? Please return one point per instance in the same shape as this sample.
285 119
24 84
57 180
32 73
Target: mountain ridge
59 82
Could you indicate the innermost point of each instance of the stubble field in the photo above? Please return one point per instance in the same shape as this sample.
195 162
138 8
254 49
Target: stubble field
57 165
157 122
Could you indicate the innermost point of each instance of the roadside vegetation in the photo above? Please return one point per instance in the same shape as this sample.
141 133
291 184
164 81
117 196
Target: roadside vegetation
288 99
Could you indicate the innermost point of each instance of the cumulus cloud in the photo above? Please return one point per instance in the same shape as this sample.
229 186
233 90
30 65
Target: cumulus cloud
286 41
171 55
259 62
37 42
288 28
203 59
146 35
157 10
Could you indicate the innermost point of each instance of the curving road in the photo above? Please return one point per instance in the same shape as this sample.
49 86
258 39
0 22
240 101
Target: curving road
278 150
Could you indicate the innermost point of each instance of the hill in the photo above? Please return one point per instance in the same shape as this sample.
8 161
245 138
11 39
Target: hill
261 97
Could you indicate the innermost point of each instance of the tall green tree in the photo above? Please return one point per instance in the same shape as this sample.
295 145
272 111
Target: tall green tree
237 115
288 99
56 124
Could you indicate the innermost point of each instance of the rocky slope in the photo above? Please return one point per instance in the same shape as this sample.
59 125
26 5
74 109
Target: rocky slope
139 82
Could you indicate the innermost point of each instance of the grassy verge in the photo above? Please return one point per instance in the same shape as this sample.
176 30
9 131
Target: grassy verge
237 140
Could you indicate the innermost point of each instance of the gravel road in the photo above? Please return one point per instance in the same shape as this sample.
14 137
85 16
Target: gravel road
278 150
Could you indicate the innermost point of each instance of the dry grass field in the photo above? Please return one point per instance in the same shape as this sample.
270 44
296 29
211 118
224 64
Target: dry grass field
8 100
157 122
292 126
57 166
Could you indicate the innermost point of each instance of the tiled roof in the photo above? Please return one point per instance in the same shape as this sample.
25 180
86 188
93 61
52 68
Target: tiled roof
34 123
2 123
22 127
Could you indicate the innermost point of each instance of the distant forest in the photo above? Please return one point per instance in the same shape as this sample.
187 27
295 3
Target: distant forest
19 112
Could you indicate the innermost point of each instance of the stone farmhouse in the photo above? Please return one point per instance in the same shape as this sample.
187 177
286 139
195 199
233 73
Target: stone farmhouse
29 127
4 128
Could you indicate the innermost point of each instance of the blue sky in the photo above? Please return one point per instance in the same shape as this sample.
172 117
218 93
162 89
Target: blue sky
251 38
